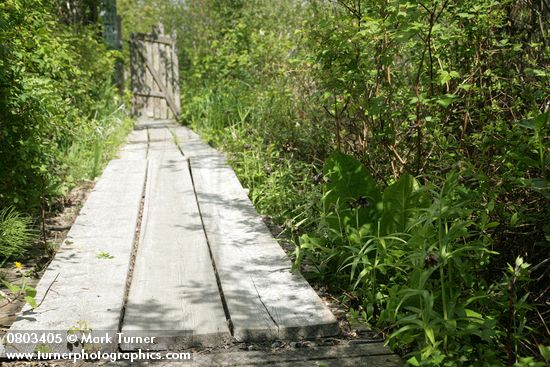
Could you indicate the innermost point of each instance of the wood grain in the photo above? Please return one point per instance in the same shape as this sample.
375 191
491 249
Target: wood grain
264 298
173 295
92 264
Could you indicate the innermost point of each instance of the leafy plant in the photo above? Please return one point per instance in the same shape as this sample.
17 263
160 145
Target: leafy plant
56 95
19 292
104 255
16 234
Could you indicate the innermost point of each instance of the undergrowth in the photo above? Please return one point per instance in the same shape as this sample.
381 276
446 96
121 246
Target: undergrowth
61 119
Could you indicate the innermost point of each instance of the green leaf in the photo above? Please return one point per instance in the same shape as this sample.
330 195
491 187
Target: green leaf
529 124
14 288
400 200
31 301
104 255
413 361
446 100
430 334
473 314
545 352
350 191
514 219
30 291
535 123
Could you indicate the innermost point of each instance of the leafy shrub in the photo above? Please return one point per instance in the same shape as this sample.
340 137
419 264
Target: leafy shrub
416 255
54 80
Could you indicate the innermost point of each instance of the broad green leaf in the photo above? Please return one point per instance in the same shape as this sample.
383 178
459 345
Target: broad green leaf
430 334
473 314
545 352
351 192
31 301
536 123
29 291
400 200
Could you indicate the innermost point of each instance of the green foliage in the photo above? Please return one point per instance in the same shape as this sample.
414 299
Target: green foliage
16 234
55 82
417 261
401 145
104 255
18 292
350 193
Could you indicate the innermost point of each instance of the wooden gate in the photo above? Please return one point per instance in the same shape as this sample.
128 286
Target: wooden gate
155 75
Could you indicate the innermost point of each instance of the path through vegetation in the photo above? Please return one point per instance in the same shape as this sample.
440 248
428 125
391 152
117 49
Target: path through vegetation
168 245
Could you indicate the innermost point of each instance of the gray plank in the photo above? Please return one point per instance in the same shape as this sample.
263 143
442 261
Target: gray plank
174 295
375 355
90 288
159 133
191 143
372 355
264 298
367 355
370 361
136 148
136 136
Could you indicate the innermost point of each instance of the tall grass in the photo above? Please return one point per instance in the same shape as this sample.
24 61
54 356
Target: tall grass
16 234
99 139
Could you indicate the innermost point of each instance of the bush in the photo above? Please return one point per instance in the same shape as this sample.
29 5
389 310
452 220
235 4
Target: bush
55 84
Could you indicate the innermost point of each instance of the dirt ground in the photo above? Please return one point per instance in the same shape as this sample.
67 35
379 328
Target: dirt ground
57 224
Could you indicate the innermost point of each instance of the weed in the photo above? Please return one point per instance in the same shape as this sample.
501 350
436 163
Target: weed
16 234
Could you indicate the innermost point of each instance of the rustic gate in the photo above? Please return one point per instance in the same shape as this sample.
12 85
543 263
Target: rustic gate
155 75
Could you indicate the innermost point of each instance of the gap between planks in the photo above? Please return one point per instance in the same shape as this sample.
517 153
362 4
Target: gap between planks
173 295
264 298
135 244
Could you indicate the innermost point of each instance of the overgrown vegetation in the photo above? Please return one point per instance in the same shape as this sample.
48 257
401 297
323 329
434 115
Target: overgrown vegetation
60 118
403 145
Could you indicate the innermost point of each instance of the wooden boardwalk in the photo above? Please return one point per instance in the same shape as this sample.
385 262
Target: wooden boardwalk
169 245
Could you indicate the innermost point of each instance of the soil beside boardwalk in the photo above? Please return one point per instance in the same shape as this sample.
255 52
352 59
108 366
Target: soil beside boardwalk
58 221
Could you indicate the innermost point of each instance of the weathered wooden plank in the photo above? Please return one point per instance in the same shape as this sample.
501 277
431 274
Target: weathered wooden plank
152 71
137 136
366 355
372 355
134 75
157 67
146 54
159 133
153 125
174 295
148 94
137 151
371 361
191 143
264 298
136 148
90 269
154 38
154 56
175 76
162 71
331 356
